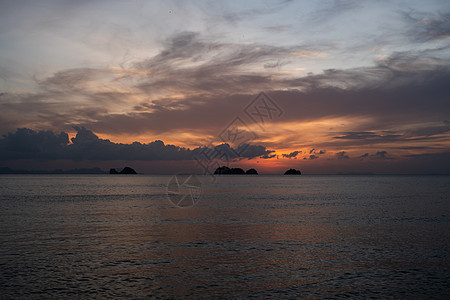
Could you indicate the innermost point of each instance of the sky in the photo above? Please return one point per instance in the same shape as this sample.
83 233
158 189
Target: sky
174 86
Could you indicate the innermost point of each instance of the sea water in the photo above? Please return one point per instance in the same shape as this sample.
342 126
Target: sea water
90 236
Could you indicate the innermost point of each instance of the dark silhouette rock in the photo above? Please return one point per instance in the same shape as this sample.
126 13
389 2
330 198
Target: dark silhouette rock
292 172
222 170
127 170
236 171
113 171
227 171
251 172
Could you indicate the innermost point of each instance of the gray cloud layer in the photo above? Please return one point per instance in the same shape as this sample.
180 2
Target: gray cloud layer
29 144
402 85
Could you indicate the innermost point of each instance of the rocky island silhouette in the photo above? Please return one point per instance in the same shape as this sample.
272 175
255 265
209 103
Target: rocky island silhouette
126 170
251 172
224 170
292 172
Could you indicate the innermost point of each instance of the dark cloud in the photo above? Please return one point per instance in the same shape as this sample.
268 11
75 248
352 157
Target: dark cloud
342 155
427 131
416 148
268 156
313 156
380 155
365 135
172 69
226 152
425 26
276 64
313 150
368 138
29 144
434 156
278 28
332 9
292 154
253 151
26 143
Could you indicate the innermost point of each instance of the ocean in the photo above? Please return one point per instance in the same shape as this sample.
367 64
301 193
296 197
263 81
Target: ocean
139 236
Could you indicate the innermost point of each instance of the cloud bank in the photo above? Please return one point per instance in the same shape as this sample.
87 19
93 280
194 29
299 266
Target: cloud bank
46 145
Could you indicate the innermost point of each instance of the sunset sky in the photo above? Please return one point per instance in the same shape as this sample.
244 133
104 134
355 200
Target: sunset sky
350 86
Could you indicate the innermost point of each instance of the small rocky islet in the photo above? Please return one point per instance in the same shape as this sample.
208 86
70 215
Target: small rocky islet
224 170
126 170
292 172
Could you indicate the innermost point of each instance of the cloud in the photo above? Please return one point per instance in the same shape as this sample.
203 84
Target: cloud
253 151
342 155
379 155
365 135
313 156
29 144
365 155
278 28
186 64
276 64
382 155
313 150
426 26
268 156
428 131
292 154
200 84
367 138
332 9
233 16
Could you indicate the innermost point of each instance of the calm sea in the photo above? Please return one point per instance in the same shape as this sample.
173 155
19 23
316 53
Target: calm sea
91 236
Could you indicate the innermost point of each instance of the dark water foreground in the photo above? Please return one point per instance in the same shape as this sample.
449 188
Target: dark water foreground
87 236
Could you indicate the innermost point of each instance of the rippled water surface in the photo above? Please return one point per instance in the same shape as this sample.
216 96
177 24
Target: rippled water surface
263 236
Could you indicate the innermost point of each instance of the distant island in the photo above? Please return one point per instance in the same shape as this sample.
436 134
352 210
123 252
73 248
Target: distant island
224 170
126 170
292 172
251 172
